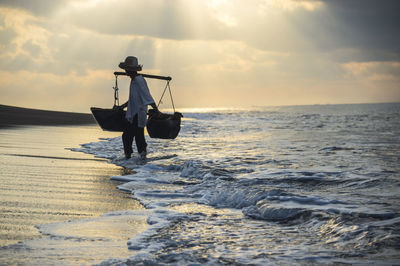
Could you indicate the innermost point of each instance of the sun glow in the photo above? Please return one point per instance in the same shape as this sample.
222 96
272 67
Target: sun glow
291 5
85 4
218 52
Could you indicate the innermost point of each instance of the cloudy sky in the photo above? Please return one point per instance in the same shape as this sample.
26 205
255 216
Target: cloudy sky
61 54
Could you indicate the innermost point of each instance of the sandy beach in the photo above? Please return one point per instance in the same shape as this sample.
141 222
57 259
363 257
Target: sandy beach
53 199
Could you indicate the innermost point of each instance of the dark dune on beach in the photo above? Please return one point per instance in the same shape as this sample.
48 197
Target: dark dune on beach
11 116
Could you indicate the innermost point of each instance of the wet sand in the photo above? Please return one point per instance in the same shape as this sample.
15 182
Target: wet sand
42 182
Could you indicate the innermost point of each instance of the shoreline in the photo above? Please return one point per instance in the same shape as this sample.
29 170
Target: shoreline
12 116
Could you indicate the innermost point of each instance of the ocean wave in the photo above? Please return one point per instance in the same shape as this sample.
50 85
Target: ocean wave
336 192
200 182
266 212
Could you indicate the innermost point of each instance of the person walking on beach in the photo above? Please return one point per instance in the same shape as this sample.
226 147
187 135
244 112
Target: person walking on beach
136 114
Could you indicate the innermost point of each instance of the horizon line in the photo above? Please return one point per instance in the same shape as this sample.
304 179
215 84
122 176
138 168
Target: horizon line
204 108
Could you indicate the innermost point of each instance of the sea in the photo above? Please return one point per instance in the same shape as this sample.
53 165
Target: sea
295 185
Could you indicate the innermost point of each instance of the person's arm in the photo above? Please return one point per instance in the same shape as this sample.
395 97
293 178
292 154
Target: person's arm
154 106
123 106
154 113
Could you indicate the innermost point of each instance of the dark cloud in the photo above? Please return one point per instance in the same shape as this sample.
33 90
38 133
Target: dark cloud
369 26
175 19
172 19
366 25
41 8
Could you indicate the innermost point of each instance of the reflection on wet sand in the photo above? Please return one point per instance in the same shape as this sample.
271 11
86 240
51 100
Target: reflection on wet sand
42 182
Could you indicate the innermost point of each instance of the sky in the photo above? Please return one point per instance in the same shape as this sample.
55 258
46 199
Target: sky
61 54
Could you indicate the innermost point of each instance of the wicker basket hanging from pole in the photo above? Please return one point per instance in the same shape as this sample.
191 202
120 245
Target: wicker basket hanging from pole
163 126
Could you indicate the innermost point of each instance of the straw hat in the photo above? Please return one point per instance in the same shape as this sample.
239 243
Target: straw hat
130 64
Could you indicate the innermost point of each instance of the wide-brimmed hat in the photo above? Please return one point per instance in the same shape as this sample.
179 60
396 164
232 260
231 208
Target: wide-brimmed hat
131 63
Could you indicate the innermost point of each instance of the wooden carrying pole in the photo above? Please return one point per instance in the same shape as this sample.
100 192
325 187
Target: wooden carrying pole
144 75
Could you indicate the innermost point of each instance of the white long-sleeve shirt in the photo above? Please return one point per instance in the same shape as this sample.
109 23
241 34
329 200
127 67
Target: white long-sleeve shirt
139 98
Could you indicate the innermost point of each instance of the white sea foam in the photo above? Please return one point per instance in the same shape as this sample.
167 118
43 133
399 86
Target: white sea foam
307 182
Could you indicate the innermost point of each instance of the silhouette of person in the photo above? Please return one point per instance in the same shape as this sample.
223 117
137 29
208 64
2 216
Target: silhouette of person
136 114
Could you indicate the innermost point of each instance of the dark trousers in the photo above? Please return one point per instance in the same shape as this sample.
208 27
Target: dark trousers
133 131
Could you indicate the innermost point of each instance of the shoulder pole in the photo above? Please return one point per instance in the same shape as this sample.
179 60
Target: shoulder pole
144 75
